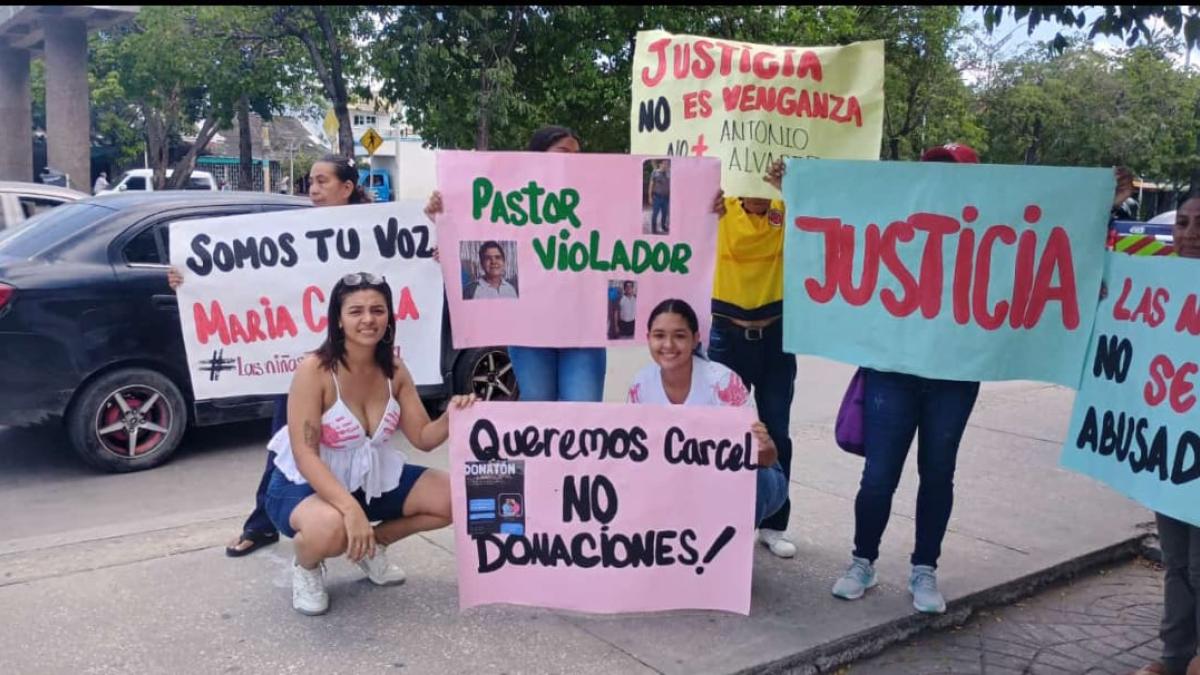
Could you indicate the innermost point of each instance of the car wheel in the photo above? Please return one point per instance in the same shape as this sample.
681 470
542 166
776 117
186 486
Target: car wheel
127 420
487 372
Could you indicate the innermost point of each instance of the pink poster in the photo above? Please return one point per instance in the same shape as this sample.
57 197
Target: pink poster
601 507
572 250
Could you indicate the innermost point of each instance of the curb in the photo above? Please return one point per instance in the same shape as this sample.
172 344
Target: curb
829 657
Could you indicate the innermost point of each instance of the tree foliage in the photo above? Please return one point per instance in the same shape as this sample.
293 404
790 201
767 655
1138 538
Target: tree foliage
484 77
1085 108
181 69
1133 24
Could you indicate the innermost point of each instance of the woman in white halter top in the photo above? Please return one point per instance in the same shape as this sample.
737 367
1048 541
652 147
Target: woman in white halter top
335 472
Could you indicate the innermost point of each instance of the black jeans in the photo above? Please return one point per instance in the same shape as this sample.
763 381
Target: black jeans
896 407
258 521
1180 632
758 358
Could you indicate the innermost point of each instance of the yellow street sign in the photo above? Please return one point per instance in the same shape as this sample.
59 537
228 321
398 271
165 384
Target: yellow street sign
371 140
330 126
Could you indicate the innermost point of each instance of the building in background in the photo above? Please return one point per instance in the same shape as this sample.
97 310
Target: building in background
411 167
57 34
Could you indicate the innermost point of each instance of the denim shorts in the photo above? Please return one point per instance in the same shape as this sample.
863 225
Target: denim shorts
283 496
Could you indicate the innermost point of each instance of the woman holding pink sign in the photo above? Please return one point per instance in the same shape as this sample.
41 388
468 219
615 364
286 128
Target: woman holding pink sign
549 373
680 375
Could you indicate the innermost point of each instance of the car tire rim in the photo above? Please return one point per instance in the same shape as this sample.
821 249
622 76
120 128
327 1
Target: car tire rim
133 421
493 378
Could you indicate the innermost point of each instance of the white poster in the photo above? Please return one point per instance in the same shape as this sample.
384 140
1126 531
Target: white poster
256 288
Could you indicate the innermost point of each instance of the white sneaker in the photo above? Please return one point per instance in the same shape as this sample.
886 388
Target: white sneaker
308 590
777 542
379 570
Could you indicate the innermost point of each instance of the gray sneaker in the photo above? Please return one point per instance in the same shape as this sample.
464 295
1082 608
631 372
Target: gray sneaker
857 579
923 586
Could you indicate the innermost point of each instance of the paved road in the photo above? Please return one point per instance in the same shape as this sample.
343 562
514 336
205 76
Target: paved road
128 569
1104 624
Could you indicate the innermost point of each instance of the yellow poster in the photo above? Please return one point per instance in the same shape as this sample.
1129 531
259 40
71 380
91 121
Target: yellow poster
750 104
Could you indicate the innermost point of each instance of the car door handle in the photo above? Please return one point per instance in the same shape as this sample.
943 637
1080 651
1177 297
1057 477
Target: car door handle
165 302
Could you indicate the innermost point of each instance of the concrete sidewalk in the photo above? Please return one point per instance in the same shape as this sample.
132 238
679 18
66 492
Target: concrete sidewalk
165 598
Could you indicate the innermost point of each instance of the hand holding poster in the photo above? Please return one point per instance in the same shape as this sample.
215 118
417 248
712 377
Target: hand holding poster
959 272
623 508
566 250
1136 424
254 300
749 104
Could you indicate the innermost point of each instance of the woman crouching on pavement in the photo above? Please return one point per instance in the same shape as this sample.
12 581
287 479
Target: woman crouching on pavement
334 472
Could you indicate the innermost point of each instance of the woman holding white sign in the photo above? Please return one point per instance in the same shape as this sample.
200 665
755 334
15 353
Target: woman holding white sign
333 181
680 375
334 473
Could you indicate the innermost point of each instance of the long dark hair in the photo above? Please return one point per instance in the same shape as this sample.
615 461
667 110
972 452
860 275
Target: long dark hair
333 350
544 138
682 308
345 170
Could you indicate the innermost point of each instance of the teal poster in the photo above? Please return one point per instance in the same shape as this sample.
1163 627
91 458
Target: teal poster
949 271
1136 424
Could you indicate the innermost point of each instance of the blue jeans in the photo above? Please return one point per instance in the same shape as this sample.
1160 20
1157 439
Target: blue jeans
758 358
897 407
283 496
258 520
549 374
660 206
770 493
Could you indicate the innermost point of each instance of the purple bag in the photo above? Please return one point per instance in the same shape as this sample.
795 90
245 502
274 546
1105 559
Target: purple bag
849 429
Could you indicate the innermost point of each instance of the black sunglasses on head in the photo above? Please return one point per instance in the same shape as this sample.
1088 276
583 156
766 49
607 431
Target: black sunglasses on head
363 279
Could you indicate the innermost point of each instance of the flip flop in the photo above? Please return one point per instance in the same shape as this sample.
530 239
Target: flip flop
257 540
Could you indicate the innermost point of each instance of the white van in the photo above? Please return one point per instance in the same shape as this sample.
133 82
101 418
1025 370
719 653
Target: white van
141 180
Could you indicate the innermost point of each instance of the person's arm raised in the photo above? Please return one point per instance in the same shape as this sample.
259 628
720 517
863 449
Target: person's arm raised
775 172
433 207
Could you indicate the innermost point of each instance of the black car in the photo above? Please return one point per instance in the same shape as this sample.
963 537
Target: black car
89 329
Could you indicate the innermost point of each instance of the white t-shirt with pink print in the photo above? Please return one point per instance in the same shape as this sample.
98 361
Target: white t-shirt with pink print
712 384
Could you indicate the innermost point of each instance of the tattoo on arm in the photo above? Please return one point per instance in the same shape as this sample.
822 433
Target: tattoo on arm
312 437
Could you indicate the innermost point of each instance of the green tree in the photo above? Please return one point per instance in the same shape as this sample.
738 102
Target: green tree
183 68
484 77
1128 22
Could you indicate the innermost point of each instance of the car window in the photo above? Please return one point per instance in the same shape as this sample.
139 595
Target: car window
197 183
143 249
44 231
32 206
152 245
135 183
376 181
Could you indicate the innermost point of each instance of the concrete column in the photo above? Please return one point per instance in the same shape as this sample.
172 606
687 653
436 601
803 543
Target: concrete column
68 106
16 116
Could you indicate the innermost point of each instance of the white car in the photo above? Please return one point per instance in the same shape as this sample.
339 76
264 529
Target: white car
21 201
139 180
1167 218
